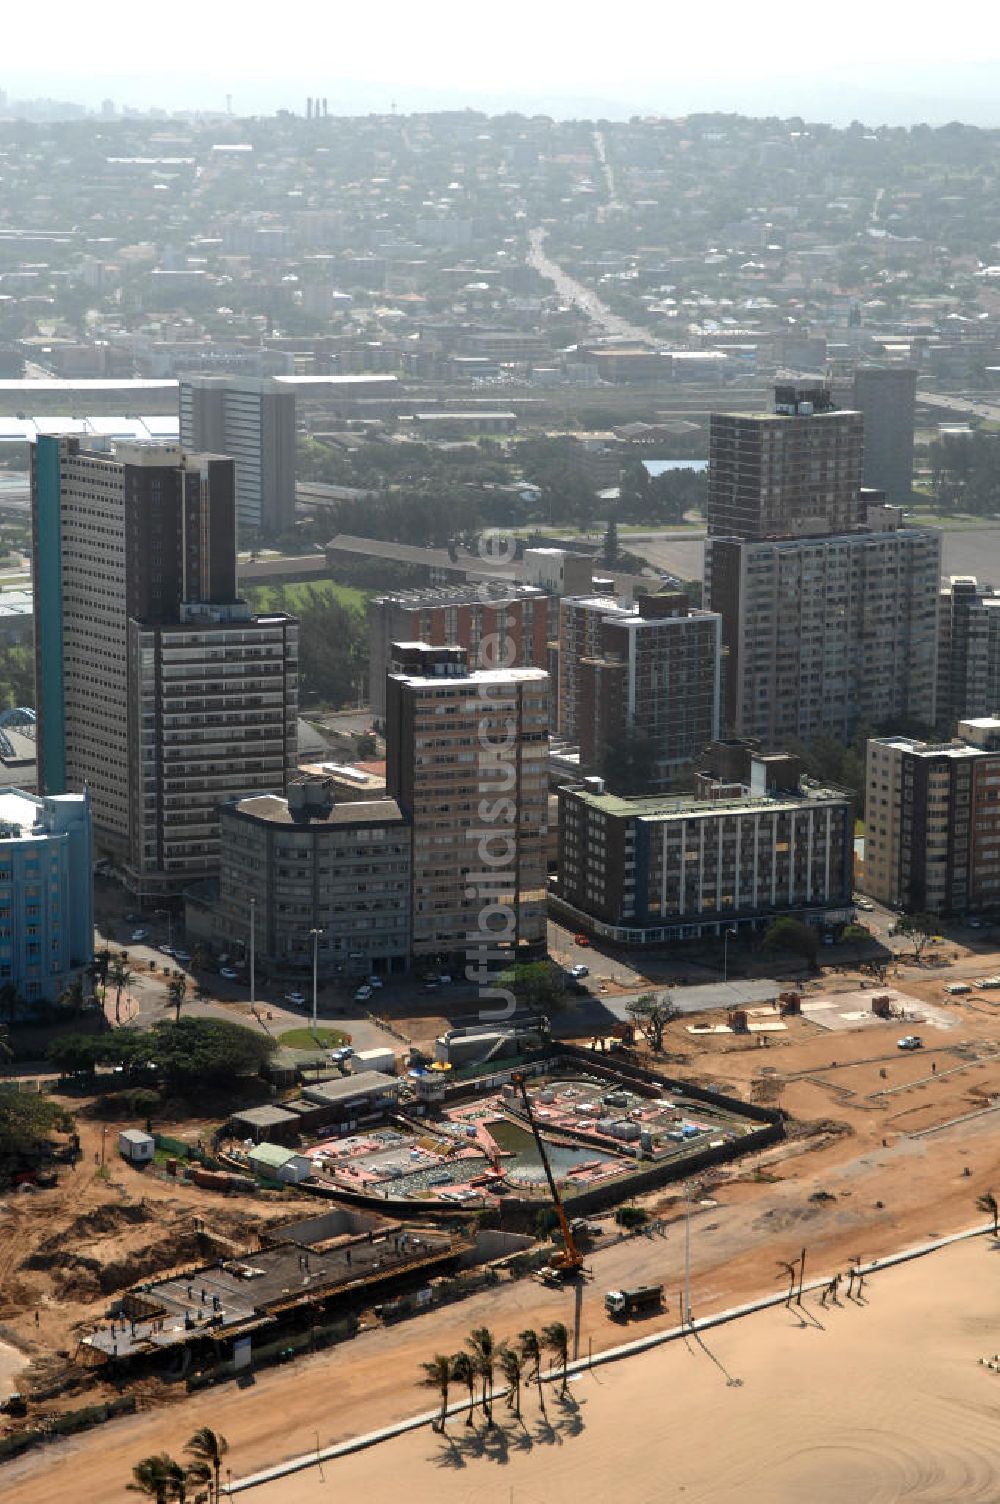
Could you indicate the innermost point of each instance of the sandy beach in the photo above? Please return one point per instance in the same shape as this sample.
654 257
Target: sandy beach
856 1404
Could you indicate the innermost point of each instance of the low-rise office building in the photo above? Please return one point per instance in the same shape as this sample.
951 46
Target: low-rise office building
309 862
46 892
643 870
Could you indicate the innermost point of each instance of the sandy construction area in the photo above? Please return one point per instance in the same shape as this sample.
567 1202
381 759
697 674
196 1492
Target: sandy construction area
873 1402
885 1149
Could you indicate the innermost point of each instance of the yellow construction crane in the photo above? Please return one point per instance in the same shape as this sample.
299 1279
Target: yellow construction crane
569 1260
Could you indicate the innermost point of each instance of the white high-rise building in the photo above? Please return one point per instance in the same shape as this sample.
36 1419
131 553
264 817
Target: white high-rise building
252 419
467 760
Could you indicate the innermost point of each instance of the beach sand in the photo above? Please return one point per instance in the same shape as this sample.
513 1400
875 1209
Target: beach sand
857 1404
12 1362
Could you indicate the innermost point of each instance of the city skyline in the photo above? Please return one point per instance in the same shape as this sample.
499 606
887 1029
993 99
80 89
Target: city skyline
869 67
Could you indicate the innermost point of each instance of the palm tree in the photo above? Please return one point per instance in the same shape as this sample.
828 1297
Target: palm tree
512 1369
988 1203
555 1338
437 1375
99 967
9 1000
71 997
482 1347
208 1448
530 1349
790 1271
153 1476
176 992
177 1481
120 975
463 1371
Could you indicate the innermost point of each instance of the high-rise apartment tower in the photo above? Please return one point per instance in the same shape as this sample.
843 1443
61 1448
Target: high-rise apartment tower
157 687
466 758
794 471
253 420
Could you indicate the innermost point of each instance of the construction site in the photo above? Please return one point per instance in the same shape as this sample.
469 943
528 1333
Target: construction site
216 1313
608 1131
877 1146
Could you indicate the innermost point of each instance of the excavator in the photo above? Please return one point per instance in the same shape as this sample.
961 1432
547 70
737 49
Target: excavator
569 1260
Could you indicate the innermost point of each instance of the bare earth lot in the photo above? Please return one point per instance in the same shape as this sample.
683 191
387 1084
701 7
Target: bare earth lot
859 1175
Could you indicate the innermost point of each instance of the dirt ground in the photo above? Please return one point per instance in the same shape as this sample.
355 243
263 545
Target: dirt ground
66 1252
879 1401
883 1152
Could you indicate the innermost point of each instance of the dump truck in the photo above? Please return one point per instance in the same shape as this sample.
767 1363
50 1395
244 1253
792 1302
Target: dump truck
622 1304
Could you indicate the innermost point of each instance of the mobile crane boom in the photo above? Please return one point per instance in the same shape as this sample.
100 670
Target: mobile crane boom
571 1259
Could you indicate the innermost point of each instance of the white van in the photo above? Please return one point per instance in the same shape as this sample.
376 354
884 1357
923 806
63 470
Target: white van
957 988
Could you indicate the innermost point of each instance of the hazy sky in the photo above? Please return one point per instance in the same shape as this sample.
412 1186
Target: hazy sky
663 57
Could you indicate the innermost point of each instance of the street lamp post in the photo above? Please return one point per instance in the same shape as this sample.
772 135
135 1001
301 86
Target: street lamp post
725 953
253 954
315 939
686 1313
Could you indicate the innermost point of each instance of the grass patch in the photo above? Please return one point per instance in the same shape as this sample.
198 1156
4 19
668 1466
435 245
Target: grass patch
950 522
293 597
305 1039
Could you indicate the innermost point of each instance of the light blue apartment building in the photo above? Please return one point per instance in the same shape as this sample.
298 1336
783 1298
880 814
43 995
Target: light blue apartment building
46 891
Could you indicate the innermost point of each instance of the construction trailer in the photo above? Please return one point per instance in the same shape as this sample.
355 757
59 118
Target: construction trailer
138 1147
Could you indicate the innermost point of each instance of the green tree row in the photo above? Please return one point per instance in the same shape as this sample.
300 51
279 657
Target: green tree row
182 1053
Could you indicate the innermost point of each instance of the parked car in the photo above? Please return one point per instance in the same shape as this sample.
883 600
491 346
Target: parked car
579 971
910 1042
958 988
138 936
364 993
865 905
229 974
444 980
342 1053
297 999
374 981
582 939
183 956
